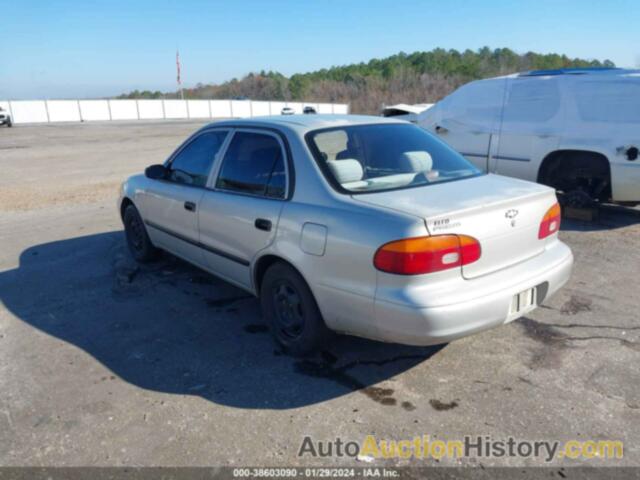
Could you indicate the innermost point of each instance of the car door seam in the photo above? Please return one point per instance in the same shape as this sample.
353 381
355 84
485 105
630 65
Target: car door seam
198 244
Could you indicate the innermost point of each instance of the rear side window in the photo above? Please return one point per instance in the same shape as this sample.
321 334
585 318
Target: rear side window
192 165
532 100
254 164
615 101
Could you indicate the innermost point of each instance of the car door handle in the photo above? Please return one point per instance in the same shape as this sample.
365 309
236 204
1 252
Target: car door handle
263 224
190 206
441 129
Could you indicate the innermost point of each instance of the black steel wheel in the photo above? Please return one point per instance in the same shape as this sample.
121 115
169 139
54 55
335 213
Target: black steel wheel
138 240
291 310
289 316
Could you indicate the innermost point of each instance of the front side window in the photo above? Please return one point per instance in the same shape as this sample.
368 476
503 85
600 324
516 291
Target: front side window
476 104
370 158
192 164
254 164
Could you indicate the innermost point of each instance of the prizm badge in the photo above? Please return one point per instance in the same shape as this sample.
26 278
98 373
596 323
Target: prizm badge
511 215
444 224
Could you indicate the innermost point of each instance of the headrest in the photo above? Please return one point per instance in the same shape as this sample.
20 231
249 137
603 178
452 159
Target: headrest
346 171
420 161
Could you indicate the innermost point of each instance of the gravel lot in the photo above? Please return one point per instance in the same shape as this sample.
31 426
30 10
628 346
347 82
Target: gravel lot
103 363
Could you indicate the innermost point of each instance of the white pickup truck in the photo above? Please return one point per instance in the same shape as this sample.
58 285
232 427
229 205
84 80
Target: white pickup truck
5 118
577 130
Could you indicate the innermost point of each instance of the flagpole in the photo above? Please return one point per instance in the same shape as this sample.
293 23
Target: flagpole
178 75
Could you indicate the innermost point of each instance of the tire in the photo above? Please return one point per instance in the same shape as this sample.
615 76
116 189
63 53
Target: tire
577 198
138 241
291 311
582 178
9 123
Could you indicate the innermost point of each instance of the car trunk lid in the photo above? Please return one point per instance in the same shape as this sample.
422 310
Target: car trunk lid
503 214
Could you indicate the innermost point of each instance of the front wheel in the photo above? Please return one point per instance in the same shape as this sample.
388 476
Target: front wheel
291 311
137 238
9 123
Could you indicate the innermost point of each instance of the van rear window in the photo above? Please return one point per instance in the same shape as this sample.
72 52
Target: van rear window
615 101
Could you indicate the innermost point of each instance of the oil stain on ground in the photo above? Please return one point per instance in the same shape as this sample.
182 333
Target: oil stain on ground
551 344
408 406
325 369
554 342
441 406
576 305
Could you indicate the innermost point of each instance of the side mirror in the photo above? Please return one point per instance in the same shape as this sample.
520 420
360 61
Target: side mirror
156 172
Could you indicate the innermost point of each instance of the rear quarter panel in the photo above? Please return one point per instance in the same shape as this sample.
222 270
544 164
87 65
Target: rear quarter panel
343 279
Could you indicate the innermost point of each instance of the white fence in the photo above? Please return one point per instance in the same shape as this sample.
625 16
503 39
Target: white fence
45 111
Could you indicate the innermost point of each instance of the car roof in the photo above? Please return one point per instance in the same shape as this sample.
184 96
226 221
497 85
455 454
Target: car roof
564 72
305 122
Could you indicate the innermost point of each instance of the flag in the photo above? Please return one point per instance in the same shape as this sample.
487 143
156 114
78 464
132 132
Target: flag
178 66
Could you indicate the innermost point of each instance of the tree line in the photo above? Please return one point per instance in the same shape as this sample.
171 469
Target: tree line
419 77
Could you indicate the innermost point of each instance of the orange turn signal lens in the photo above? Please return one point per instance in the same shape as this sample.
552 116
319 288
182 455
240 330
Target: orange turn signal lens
551 222
419 255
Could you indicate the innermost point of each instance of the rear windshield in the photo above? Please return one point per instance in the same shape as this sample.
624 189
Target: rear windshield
372 158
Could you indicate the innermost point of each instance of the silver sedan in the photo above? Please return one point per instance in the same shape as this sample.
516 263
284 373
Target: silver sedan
359 225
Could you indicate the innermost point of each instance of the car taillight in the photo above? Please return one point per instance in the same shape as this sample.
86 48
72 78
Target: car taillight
415 256
550 223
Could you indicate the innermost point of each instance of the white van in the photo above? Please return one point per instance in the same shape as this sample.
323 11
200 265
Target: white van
577 130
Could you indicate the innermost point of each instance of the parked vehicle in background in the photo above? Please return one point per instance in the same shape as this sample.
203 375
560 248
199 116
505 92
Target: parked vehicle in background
402 111
577 130
5 118
309 110
361 225
287 111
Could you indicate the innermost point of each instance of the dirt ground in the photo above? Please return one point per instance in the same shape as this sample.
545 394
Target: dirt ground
106 363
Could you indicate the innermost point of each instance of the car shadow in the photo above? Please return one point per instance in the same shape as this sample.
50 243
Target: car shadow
169 327
607 217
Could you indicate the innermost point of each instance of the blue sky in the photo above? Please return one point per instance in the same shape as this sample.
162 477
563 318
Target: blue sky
88 48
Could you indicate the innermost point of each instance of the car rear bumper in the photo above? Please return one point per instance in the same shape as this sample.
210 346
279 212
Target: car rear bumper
483 302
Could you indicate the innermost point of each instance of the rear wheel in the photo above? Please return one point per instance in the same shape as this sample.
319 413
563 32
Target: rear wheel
582 178
576 198
291 311
137 238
